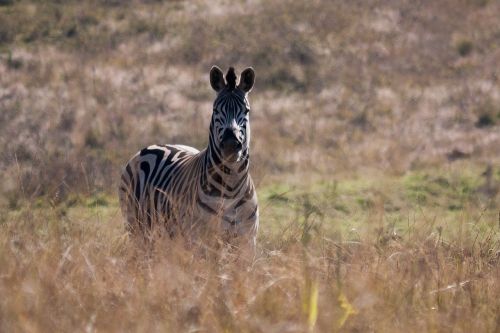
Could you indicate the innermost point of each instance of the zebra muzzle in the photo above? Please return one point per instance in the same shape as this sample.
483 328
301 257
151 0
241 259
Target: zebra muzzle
230 146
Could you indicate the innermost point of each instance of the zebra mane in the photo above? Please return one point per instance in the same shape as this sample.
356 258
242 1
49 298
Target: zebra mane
231 79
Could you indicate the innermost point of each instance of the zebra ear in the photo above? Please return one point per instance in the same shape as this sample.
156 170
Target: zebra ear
247 79
217 79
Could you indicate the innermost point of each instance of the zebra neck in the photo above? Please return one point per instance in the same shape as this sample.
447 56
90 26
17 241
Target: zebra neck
222 176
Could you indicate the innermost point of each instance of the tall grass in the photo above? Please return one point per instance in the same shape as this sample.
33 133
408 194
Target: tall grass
435 270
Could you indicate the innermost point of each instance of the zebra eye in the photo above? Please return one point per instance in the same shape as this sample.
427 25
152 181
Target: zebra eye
247 111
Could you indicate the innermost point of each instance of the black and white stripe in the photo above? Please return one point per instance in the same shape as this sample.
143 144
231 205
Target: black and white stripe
190 192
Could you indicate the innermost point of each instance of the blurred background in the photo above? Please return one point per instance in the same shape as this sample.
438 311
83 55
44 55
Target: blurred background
343 87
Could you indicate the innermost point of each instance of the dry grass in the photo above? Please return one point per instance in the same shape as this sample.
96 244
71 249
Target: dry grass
419 253
373 123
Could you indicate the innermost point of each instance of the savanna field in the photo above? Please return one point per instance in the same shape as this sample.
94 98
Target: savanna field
375 152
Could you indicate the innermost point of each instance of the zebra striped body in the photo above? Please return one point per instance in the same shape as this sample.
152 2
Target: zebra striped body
190 192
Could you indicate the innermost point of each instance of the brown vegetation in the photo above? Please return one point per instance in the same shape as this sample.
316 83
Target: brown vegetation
373 123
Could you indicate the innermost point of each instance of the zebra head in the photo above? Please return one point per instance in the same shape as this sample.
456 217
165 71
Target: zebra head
230 125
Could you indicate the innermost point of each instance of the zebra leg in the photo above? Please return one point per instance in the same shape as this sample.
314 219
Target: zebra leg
246 230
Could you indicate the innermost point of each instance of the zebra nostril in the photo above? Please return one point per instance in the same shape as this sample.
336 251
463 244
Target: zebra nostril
231 145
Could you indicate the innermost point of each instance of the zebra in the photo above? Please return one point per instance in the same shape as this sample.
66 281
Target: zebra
193 193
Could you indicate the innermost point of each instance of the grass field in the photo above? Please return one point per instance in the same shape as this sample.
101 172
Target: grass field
375 150
415 253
